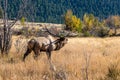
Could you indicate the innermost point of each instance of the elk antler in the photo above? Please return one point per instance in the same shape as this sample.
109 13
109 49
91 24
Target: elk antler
60 34
47 30
66 33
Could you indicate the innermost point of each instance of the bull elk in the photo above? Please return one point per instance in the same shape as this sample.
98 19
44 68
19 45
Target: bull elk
52 42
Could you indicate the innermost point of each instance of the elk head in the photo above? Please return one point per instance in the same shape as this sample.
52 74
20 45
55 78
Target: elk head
61 37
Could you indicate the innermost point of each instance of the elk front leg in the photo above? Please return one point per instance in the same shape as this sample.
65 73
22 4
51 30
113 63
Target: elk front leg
27 53
49 56
36 50
48 53
52 67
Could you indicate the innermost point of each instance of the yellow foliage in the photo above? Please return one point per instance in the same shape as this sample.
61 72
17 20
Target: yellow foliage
89 21
72 22
22 21
85 18
90 24
76 22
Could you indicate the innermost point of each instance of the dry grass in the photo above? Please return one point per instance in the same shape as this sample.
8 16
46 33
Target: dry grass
70 60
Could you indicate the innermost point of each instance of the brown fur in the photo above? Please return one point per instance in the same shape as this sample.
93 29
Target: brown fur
37 46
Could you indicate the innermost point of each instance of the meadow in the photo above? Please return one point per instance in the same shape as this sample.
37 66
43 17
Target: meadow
81 59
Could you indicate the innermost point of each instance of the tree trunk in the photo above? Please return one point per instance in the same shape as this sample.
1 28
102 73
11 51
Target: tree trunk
5 33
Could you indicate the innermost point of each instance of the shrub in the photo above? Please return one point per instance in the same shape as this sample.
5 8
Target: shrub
93 27
113 22
113 72
27 32
76 24
103 31
100 31
68 19
86 34
72 22
22 21
89 21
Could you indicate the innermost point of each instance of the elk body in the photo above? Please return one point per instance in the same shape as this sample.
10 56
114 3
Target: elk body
45 44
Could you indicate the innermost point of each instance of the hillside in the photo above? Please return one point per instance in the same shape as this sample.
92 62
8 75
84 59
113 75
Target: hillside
52 11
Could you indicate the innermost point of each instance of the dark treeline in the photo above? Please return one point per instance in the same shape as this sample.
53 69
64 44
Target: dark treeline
52 11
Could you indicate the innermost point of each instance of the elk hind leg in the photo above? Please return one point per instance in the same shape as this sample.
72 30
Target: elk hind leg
27 53
36 52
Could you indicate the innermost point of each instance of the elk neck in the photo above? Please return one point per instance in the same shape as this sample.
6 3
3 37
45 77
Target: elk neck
58 43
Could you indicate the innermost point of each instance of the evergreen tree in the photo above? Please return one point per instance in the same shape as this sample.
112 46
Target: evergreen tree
52 10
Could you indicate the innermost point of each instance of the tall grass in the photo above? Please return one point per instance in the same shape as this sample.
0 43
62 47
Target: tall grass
71 62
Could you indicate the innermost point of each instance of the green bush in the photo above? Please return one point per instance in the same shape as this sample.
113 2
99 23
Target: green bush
86 34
